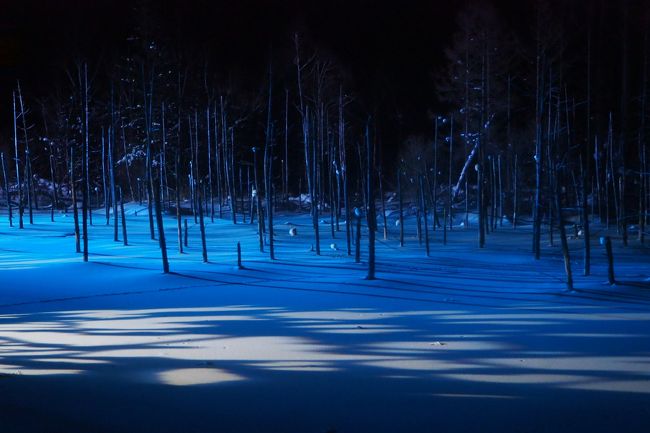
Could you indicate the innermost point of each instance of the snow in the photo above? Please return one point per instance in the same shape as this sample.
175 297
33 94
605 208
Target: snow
465 340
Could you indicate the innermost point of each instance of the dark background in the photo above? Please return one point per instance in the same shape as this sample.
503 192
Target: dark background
392 50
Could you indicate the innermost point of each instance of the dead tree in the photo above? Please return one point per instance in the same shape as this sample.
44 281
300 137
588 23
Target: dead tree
111 172
268 166
21 208
29 188
204 248
159 223
123 218
258 202
178 203
563 238
105 185
6 184
84 167
371 214
75 207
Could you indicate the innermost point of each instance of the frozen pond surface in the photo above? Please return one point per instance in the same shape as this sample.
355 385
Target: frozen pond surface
465 340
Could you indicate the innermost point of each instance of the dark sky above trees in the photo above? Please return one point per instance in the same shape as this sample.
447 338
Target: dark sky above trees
392 50
394 46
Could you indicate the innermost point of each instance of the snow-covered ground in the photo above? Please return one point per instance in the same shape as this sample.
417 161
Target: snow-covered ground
466 340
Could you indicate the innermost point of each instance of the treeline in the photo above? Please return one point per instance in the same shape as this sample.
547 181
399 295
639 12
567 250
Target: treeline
528 128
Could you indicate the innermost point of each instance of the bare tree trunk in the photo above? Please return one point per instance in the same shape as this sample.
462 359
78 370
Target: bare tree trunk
159 223
401 207
148 98
515 193
500 194
105 185
209 145
641 142
565 244
434 193
125 238
383 205
258 202
28 161
111 165
344 174
204 247
219 158
357 237
285 190
586 177
423 205
371 212
585 225
6 184
54 192
268 166
537 218
126 164
451 150
75 209
21 208
84 171
598 187
178 203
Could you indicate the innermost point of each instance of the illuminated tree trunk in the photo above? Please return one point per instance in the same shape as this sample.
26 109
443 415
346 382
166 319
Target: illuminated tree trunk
84 169
21 208
6 184
268 167
370 212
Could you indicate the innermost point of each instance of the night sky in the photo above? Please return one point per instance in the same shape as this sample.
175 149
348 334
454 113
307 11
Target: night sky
391 50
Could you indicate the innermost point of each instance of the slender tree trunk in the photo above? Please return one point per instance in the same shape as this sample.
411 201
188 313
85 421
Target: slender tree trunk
185 232
423 205
451 150
371 212
401 208
6 183
28 161
268 166
585 226
357 237
383 206
126 163
500 194
75 208
210 180
55 186
434 193
111 165
515 193
159 223
204 247
125 238
21 208
344 174
444 226
285 190
178 203
537 222
84 164
148 98
598 186
218 150
563 238
258 203
104 182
